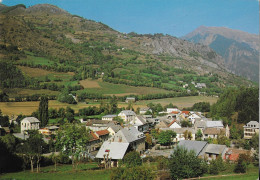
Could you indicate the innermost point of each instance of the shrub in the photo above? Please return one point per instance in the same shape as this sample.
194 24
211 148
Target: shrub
185 164
132 159
240 166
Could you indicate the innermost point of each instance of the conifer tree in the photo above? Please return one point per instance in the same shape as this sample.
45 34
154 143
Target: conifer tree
43 111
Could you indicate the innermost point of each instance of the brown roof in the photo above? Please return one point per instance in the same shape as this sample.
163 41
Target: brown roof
174 112
185 112
102 132
172 122
214 131
93 136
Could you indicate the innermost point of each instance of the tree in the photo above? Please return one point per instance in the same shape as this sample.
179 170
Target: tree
43 111
216 166
72 139
254 142
187 135
132 159
185 124
113 105
240 166
4 120
198 135
148 140
165 137
185 164
32 148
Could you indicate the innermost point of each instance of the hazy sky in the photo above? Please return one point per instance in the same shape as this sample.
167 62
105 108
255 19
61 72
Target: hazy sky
174 17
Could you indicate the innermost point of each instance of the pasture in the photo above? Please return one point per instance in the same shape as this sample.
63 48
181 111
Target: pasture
84 171
26 108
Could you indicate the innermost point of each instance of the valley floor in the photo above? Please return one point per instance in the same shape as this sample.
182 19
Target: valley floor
26 108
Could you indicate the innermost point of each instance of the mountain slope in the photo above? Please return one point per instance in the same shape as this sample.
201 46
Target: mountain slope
239 49
47 37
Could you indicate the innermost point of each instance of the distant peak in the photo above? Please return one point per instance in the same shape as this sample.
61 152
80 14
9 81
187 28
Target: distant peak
47 8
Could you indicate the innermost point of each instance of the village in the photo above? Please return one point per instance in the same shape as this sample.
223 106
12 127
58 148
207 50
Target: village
115 135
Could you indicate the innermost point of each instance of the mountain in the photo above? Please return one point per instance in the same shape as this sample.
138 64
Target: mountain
46 37
239 49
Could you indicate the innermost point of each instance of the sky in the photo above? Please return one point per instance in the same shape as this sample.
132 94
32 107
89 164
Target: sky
173 17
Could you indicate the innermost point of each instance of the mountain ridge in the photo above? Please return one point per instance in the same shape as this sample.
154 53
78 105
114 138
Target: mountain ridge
239 49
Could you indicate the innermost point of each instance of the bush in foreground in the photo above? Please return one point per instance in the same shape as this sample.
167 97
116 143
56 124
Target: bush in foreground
185 164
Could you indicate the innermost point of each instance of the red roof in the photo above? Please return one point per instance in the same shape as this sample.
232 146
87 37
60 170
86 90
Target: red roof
102 132
93 136
185 112
174 112
233 154
172 122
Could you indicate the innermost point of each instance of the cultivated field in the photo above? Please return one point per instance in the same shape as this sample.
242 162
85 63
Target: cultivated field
26 108
98 86
180 102
87 83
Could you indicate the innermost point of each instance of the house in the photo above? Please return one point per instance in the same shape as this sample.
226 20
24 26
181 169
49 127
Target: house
130 99
140 124
127 115
161 124
114 151
180 133
174 124
215 132
103 135
97 125
113 129
47 131
213 151
200 85
204 150
109 117
144 110
29 123
93 143
169 110
132 136
194 117
250 129
200 125
232 154
197 146
186 113
214 124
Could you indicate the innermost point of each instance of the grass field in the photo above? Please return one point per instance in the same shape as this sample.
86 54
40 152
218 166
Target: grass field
24 92
64 172
26 108
180 102
98 86
87 83
37 72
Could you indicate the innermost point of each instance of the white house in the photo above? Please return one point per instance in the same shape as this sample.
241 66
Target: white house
130 99
169 110
214 124
144 110
174 124
140 124
30 123
192 118
127 115
250 129
109 117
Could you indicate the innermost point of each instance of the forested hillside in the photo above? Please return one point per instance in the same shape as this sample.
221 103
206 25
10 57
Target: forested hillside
45 47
